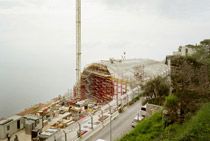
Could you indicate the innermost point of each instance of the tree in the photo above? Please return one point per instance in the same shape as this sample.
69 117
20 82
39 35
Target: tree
190 82
156 89
205 42
202 54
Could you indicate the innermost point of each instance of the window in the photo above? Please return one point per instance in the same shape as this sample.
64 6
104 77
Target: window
180 49
8 128
143 108
37 122
18 124
186 51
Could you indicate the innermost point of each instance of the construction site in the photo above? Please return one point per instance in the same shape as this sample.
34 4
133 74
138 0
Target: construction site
101 89
105 88
113 78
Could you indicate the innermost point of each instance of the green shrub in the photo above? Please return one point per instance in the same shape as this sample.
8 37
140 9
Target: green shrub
151 129
171 101
146 130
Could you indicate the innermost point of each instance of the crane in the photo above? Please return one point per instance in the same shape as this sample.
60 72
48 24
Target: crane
78 46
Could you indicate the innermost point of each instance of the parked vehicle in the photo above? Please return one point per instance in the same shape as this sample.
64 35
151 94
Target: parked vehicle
100 140
137 118
143 110
140 115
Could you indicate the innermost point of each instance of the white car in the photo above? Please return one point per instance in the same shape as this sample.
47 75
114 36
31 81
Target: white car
136 120
143 110
100 140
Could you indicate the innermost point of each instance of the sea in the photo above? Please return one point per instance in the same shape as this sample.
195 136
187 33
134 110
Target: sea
23 85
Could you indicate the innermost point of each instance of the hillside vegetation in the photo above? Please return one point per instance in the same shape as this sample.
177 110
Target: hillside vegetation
197 128
186 108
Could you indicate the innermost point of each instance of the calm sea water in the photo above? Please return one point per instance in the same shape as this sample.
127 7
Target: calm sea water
23 87
28 80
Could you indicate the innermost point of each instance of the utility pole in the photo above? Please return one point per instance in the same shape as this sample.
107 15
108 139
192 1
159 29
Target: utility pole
110 127
78 46
65 135
110 122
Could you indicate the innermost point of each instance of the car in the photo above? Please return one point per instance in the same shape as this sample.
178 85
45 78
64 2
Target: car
133 124
137 118
100 140
143 110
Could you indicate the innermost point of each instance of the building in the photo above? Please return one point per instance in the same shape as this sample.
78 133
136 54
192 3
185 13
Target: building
182 51
51 135
32 122
11 125
111 79
185 50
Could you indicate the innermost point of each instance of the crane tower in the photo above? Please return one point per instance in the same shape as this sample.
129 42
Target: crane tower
78 46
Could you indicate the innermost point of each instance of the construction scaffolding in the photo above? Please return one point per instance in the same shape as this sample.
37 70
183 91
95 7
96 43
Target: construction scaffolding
97 83
110 80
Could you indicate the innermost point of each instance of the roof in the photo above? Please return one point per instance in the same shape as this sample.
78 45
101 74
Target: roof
10 119
83 102
100 140
4 121
48 133
138 117
32 117
126 68
15 117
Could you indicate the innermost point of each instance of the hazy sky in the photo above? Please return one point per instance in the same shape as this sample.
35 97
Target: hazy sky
37 40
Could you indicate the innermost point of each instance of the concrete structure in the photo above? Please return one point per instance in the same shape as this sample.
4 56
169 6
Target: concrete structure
10 126
51 135
184 51
78 45
32 122
152 108
106 80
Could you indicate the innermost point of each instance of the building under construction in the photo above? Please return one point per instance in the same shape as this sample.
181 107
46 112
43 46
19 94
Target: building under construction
106 80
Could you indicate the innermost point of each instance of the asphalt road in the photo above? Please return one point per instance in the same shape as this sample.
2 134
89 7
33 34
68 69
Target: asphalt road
120 126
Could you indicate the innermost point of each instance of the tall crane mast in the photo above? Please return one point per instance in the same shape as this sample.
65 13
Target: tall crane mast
78 46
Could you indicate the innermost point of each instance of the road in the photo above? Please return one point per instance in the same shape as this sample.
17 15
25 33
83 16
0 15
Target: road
120 126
